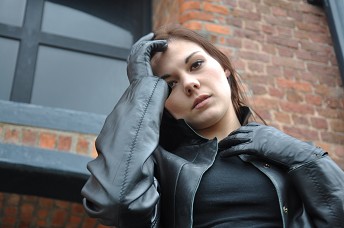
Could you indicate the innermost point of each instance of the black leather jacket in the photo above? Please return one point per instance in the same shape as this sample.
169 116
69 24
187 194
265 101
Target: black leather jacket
147 176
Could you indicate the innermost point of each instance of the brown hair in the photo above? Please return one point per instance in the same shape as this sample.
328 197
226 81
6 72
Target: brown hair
169 32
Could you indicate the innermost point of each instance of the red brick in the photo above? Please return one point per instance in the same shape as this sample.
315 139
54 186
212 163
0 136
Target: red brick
59 217
278 3
42 223
196 15
288 84
45 202
266 103
274 71
29 137
310 27
258 89
268 29
330 113
245 15
252 25
221 29
308 8
282 41
233 42
89 223
74 221
9 221
300 120
190 6
12 135
294 96
215 8
339 151
332 102
77 209
42 213
194 25
246 5
275 92
94 152
282 117
10 211
297 108
313 99
277 11
301 133
62 204
29 199
249 55
251 45
47 140
255 67
234 22
26 212
64 143
337 125
285 52
312 56
282 22
13 199
334 138
319 123
82 146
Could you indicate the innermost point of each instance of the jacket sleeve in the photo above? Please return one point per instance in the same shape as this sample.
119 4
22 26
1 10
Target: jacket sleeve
121 190
321 185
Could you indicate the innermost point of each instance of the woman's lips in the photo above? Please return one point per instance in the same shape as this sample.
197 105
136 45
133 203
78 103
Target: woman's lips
200 101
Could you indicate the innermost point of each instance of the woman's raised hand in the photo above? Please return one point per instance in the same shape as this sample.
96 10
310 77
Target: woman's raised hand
140 56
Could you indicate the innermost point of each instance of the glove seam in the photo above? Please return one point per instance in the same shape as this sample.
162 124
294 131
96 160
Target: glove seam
133 144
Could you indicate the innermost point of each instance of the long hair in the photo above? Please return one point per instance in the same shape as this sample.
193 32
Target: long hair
170 32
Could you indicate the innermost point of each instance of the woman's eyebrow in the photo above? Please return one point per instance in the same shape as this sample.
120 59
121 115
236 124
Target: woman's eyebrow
165 76
188 58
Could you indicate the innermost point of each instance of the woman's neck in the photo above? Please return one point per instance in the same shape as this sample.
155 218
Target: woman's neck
223 128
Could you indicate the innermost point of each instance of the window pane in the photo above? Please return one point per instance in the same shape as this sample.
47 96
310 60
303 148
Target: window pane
66 21
78 81
12 12
8 48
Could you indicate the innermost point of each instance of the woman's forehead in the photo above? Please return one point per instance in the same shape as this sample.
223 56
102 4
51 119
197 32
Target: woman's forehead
177 48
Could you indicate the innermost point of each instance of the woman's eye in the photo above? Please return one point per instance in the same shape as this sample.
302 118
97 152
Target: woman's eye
196 64
171 84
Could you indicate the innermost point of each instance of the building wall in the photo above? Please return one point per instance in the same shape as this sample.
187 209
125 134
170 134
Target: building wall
31 211
283 51
284 54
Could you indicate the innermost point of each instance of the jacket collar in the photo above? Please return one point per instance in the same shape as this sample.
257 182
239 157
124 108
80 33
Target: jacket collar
174 133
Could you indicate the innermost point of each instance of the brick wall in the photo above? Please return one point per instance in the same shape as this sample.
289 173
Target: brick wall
284 54
31 211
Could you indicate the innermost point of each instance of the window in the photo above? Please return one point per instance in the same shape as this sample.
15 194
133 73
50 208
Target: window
68 54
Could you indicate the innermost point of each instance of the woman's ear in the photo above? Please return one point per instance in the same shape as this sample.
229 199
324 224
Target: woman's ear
228 73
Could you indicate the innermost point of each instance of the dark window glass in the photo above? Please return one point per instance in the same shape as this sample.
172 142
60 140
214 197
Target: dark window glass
12 12
68 54
66 21
8 56
78 81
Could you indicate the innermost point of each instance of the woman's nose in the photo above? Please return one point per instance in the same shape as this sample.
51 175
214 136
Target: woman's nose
190 85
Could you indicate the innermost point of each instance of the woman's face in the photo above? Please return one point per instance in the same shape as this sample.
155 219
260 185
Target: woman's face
200 93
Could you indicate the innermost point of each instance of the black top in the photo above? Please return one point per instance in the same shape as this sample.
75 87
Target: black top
234 193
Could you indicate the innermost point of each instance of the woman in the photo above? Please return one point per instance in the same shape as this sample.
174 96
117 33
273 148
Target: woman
178 150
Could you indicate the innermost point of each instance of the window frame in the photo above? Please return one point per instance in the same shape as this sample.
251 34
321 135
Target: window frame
30 37
335 20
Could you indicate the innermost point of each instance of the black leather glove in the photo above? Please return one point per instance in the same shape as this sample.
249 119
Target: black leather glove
269 143
140 56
